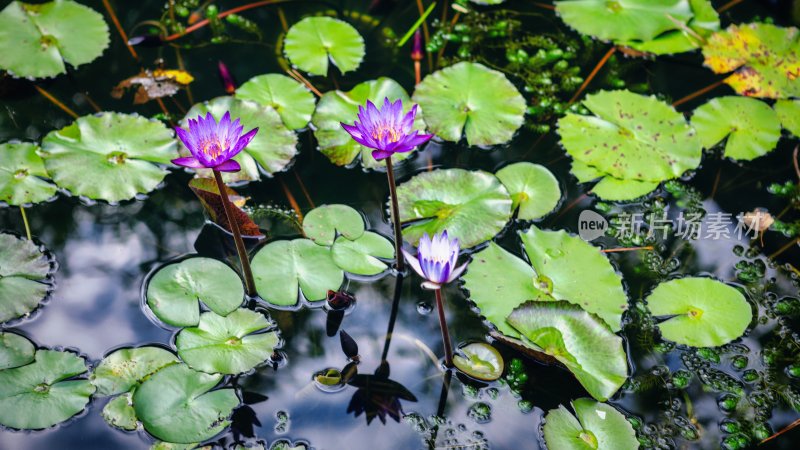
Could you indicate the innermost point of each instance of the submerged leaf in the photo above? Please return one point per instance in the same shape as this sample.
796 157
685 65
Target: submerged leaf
479 360
207 191
293 101
534 189
153 84
598 426
26 276
751 126
125 368
312 42
22 175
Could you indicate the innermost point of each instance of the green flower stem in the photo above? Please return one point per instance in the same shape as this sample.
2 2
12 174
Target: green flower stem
448 348
25 221
400 264
247 274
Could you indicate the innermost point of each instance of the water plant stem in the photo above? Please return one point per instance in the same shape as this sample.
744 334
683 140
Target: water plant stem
448 348
593 74
25 221
222 15
292 200
794 162
244 259
119 28
698 93
728 5
427 34
545 6
626 249
56 102
400 263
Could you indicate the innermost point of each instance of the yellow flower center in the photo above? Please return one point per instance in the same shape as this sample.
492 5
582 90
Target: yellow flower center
212 148
386 132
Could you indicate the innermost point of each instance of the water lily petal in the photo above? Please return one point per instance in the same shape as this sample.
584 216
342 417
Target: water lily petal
414 263
229 166
457 272
188 161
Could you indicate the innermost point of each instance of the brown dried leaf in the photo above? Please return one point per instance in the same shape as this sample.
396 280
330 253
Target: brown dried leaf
206 190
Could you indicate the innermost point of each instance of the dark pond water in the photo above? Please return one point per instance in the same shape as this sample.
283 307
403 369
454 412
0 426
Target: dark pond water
105 252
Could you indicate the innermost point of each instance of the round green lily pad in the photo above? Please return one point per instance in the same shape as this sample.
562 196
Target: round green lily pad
323 223
43 393
229 344
597 426
700 312
125 368
472 98
764 59
580 341
22 175
15 350
534 189
174 290
273 147
109 156
361 256
610 188
314 41
290 99
789 115
119 412
479 360
26 276
751 126
337 107
471 205
177 404
37 39
284 269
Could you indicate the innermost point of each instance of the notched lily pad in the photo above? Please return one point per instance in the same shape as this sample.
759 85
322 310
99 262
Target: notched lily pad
362 256
323 223
699 312
15 350
174 290
479 360
119 413
126 368
228 345
26 276
109 156
23 178
751 126
472 98
45 392
597 426
292 101
312 42
789 114
471 205
534 190
686 36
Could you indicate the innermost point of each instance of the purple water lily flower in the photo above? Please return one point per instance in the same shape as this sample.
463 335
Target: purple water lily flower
387 130
212 144
436 260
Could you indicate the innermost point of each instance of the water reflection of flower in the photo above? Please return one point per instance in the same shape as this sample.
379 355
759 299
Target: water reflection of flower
378 396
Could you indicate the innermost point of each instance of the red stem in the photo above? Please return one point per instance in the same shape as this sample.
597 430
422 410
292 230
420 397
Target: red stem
448 348
400 264
244 258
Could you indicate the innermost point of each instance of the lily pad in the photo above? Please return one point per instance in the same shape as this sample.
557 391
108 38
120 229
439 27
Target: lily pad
290 99
284 269
580 341
764 59
119 412
15 350
323 223
314 41
177 404
227 344
337 107
273 148
700 312
126 368
686 36
534 189
361 256
479 360
37 39
597 426
472 98
789 115
751 126
26 276
109 156
175 289
43 393
471 205
22 175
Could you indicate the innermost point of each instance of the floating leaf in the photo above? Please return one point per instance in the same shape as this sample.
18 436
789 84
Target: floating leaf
227 344
15 350
479 360
764 59
26 276
598 426
789 115
283 269
207 191
293 101
153 84
577 339
686 36
310 43
21 175
534 189
751 126
337 107
125 368
614 189
161 445
700 312
471 205
324 223
41 394
119 412
175 289
273 147
472 98
109 156
177 404
360 256
37 39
